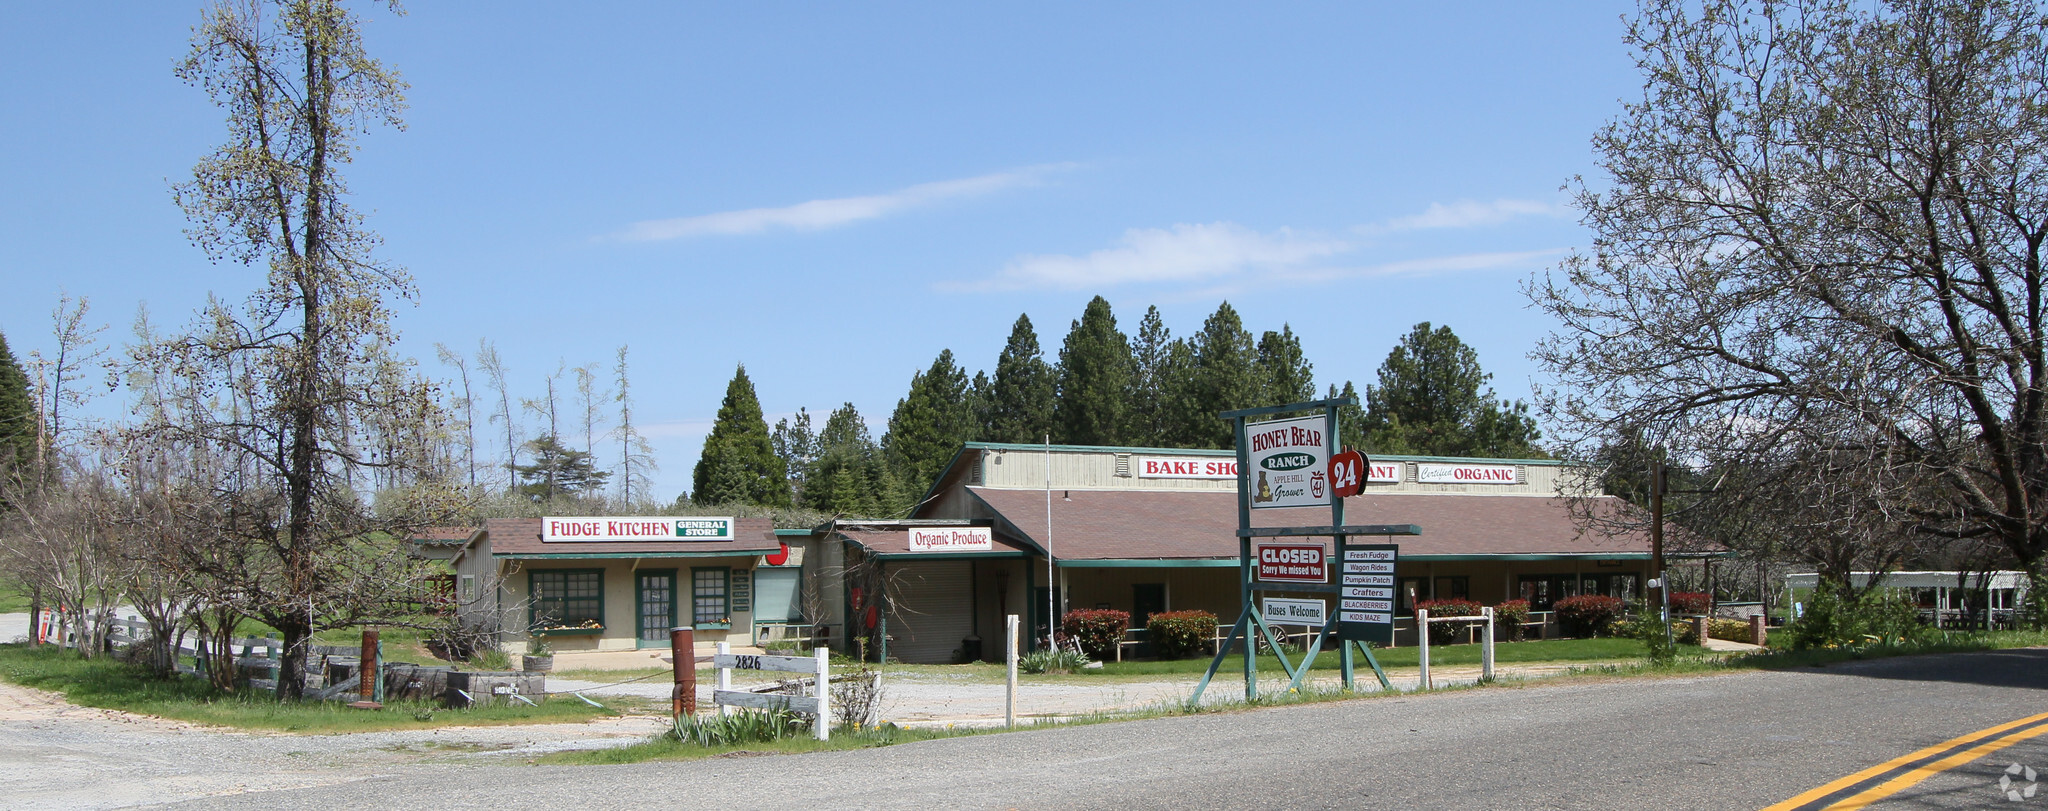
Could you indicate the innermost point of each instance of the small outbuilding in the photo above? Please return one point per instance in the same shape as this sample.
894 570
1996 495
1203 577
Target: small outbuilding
602 583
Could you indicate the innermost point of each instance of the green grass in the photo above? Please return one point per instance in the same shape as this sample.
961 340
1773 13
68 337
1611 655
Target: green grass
13 599
668 747
113 685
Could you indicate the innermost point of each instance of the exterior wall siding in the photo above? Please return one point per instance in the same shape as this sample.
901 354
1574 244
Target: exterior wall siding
1097 470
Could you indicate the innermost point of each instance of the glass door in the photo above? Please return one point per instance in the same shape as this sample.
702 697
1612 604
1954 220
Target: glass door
657 607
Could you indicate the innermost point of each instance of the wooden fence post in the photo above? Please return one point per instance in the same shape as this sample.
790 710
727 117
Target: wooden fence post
682 645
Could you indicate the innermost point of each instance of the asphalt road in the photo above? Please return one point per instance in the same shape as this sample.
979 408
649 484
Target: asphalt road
1744 740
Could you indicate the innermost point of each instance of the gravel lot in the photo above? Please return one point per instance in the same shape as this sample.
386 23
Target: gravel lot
59 756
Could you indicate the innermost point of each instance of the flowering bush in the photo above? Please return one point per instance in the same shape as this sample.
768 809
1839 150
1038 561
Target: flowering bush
1098 630
1180 634
1448 633
1508 618
1588 614
1686 603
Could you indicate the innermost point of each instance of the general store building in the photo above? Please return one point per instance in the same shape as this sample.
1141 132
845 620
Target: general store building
593 583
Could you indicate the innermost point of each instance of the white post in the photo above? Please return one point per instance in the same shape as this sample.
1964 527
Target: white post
1422 636
822 728
1010 665
1486 644
724 677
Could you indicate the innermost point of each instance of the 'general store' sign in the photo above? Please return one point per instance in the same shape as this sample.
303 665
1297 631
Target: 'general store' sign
693 528
951 539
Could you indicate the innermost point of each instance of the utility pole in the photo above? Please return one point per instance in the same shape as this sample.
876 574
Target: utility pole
1663 579
1657 526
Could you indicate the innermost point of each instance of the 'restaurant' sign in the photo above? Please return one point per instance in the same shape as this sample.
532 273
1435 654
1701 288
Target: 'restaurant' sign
693 528
1185 467
1466 474
1292 562
1290 462
951 539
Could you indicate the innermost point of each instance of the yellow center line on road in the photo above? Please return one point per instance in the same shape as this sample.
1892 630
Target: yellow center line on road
1918 766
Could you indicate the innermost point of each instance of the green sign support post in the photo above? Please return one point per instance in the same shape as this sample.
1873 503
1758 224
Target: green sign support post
1287 446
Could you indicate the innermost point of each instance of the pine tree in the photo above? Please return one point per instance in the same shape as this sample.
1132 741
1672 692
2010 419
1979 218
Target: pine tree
1224 376
1350 418
1094 380
1285 375
797 446
1020 399
929 423
557 471
847 476
1154 378
739 465
1429 401
18 423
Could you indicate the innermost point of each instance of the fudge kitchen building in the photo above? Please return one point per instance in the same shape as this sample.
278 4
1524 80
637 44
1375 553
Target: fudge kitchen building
1147 530
619 583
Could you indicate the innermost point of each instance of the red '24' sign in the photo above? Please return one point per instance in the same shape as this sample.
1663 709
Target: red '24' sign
1347 472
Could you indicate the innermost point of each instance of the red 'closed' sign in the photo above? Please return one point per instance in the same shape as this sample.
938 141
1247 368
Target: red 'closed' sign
1292 563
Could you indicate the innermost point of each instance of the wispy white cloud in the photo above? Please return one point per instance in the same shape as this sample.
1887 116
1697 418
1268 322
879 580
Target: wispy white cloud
816 215
1468 214
1183 253
1426 266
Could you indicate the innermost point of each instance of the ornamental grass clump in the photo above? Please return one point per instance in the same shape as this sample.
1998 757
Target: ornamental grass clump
1054 661
1180 634
1098 630
742 726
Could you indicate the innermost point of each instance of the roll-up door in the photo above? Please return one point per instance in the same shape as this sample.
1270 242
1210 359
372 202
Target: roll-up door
775 593
932 609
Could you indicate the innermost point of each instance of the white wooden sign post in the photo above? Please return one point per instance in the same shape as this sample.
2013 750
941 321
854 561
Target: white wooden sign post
818 704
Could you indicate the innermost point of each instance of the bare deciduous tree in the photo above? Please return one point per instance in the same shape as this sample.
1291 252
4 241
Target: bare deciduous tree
1824 234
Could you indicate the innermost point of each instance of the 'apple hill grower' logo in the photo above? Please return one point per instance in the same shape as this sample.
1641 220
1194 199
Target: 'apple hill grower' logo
1287 461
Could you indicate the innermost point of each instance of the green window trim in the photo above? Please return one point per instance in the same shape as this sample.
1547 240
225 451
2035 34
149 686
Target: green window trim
710 604
591 605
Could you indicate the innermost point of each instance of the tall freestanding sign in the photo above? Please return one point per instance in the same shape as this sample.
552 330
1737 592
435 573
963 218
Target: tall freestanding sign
1295 462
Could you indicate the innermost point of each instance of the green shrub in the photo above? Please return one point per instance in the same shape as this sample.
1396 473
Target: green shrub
1180 634
1508 618
1731 630
1098 630
1588 614
1052 660
1447 633
1876 615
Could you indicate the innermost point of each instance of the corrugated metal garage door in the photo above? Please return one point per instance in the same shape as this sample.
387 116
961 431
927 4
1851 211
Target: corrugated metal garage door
932 610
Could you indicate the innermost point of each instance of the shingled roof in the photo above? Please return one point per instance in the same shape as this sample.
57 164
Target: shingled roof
1170 525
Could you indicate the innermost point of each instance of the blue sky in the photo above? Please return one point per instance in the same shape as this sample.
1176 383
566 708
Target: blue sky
832 193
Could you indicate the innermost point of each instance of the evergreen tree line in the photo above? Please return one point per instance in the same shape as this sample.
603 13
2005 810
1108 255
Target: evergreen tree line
1107 388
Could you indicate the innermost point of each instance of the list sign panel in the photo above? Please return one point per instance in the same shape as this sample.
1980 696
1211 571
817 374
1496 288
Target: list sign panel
1365 607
